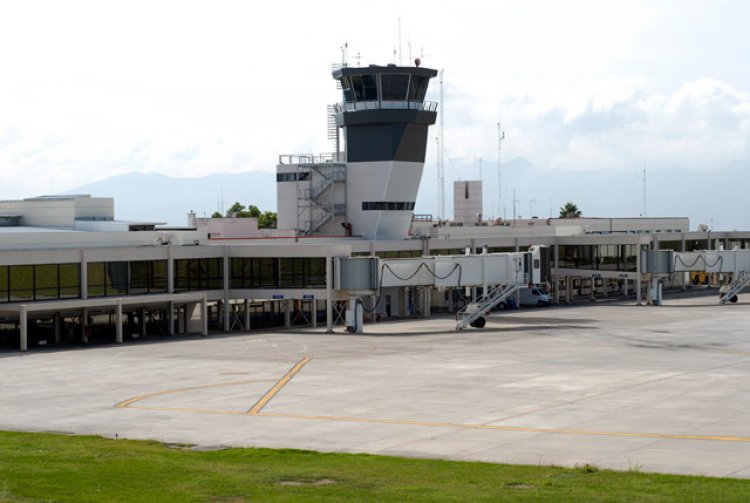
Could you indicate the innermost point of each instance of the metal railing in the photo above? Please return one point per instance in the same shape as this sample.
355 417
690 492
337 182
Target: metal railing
355 106
326 158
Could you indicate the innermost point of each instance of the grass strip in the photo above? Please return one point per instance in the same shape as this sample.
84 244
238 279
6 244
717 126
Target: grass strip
54 467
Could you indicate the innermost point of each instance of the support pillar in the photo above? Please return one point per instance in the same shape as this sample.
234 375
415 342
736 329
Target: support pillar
58 328
314 312
329 293
118 323
638 298
84 325
288 313
226 312
142 321
247 314
226 304
427 302
23 328
84 276
170 317
204 316
182 319
554 278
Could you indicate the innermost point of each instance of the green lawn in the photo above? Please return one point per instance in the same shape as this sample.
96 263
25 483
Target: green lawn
48 467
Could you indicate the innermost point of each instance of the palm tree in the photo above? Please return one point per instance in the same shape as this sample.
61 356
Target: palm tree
570 210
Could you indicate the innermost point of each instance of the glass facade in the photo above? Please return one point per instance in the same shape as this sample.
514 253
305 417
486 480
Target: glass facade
20 283
599 257
106 279
198 274
302 272
384 86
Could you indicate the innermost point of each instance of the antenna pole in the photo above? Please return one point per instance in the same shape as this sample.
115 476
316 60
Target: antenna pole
644 190
500 138
399 43
441 154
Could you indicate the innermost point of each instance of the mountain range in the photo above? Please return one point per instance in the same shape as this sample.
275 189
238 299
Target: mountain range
716 197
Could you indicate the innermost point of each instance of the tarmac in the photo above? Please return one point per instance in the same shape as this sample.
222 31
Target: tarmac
646 388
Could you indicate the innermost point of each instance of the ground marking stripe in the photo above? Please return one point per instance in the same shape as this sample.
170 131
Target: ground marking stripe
130 401
255 409
465 426
188 409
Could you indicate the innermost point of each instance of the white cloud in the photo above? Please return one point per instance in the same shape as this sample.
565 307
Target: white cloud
616 124
94 89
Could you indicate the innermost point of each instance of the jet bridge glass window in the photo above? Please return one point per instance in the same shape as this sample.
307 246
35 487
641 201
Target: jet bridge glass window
418 88
393 87
364 87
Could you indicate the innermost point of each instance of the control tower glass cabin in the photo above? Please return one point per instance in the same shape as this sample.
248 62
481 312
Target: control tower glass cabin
385 121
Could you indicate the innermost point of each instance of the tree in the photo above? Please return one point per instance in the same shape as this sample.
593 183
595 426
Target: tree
570 210
267 220
238 210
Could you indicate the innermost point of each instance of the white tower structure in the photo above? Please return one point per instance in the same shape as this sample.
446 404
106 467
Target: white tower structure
370 189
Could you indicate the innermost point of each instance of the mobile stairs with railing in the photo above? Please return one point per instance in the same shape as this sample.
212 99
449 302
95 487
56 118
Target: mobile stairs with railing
475 313
739 283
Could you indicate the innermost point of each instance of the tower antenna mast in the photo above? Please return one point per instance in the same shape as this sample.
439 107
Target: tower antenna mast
644 190
441 150
500 138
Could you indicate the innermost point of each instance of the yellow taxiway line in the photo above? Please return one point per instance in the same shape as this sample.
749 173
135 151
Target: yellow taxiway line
128 404
257 410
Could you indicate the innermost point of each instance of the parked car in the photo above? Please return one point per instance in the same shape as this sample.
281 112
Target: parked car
535 296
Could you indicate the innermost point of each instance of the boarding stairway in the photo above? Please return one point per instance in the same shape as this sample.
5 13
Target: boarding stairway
739 283
478 309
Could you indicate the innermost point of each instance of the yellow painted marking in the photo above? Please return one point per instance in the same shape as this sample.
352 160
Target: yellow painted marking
130 401
255 409
465 426
187 409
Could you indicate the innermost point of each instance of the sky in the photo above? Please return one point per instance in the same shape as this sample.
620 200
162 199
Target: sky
90 90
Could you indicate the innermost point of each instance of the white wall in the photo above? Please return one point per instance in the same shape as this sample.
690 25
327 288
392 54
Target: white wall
467 210
381 181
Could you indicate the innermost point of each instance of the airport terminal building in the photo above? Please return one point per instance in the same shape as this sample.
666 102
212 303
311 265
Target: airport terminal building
72 273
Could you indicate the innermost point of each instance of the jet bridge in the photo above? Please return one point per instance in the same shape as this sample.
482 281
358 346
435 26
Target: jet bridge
499 275
734 263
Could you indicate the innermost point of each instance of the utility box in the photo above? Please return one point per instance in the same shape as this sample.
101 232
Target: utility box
657 261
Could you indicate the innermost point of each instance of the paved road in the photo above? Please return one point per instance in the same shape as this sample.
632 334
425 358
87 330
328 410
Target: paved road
619 386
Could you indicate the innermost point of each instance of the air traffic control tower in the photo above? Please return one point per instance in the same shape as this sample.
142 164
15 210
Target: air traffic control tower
370 188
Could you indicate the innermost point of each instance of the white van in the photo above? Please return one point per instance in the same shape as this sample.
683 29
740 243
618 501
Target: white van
535 296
